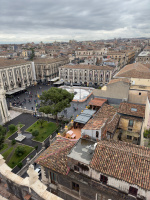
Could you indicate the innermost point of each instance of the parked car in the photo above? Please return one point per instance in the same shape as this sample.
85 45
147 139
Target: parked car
38 170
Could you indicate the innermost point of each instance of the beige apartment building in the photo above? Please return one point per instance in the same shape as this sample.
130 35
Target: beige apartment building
46 69
85 53
86 74
144 57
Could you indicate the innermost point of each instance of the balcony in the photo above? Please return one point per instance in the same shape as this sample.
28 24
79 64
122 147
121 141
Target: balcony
127 136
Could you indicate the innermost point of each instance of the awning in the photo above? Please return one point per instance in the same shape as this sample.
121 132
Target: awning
55 79
15 91
58 82
85 116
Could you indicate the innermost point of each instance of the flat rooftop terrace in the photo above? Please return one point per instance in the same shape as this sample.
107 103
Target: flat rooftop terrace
83 151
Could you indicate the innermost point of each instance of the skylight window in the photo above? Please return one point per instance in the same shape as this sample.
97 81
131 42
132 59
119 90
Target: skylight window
134 109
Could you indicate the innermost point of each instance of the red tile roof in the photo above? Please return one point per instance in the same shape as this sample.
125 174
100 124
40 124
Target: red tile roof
135 70
97 102
132 109
123 161
55 156
109 112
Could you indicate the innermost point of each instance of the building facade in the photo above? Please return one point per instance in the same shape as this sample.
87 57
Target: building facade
15 74
143 57
46 69
86 74
91 170
4 113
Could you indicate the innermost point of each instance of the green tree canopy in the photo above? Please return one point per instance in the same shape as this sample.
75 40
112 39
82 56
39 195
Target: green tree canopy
20 150
147 133
32 54
55 100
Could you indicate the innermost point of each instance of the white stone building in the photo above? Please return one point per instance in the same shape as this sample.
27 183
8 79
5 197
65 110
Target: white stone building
86 74
16 74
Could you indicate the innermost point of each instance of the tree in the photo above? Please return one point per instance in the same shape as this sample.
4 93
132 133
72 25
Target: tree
2 136
20 150
55 100
11 127
35 133
32 54
147 133
13 142
41 121
20 165
36 147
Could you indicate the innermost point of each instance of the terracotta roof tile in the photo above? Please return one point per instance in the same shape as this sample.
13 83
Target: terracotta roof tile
97 102
109 112
11 62
135 70
132 109
106 114
94 124
55 156
123 161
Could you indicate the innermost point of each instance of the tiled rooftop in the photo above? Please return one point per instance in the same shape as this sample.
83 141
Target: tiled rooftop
97 102
11 62
55 156
132 109
94 124
109 112
123 161
135 70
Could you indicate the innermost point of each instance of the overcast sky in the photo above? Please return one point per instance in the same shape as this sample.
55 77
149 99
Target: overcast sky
61 20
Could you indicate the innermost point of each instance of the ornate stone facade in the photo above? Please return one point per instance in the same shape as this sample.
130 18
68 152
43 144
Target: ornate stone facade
46 69
86 74
15 74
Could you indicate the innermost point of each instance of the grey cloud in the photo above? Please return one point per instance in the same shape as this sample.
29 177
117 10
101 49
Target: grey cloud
36 16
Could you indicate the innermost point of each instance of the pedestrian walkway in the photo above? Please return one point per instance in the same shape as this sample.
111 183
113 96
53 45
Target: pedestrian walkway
14 114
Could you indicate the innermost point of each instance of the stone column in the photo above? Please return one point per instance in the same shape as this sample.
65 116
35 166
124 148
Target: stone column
14 78
73 75
8 78
3 107
44 179
93 76
104 77
22 78
26 68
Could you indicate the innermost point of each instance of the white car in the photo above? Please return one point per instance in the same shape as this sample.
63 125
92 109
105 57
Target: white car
38 170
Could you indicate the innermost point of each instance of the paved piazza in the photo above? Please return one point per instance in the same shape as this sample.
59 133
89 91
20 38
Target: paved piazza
80 92
31 101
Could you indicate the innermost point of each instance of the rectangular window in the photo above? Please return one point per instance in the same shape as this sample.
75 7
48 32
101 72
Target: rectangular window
97 134
76 168
133 191
75 186
103 179
130 123
53 177
129 137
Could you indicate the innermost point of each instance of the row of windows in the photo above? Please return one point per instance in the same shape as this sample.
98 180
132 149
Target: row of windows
17 71
103 179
